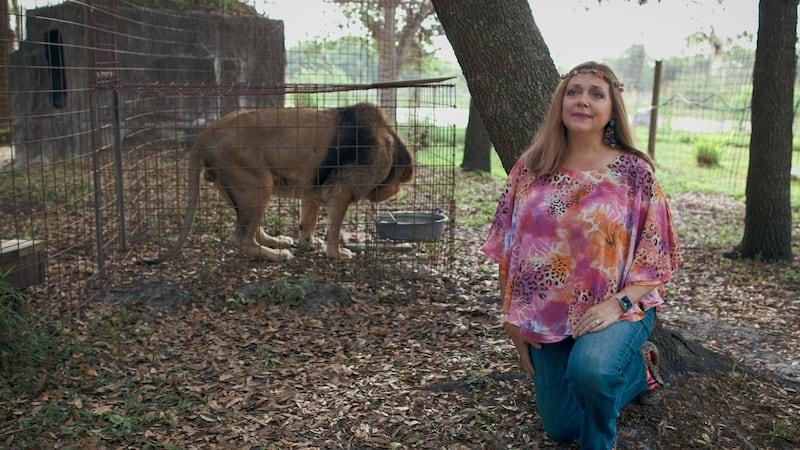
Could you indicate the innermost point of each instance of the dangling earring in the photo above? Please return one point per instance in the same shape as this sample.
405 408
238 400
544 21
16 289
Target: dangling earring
610 136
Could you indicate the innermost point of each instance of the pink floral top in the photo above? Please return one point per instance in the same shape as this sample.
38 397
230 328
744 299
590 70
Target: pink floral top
570 240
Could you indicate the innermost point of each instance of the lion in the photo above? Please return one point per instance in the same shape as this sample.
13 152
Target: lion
330 158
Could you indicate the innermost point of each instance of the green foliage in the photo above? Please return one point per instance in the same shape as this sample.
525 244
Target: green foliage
26 345
288 293
305 100
370 16
476 206
381 294
497 172
708 150
790 275
438 140
282 292
239 301
676 165
346 60
355 60
678 171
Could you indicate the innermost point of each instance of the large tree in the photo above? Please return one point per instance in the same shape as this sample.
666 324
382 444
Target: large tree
508 68
398 27
768 216
477 144
511 78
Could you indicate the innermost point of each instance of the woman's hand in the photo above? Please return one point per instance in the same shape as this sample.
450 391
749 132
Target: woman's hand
522 347
598 318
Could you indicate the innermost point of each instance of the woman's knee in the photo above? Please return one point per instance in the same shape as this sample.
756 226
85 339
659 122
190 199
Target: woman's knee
561 430
593 376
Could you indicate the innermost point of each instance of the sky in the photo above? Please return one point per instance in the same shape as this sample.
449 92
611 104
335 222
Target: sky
574 30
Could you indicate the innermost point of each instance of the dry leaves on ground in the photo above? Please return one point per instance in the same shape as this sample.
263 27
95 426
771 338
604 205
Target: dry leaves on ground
424 364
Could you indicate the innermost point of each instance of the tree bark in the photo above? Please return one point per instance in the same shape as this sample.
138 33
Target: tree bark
477 144
509 71
679 355
768 214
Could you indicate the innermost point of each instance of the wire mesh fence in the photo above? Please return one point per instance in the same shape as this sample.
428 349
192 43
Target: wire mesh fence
108 99
701 116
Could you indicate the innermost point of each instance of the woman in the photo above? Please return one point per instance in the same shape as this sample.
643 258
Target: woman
585 243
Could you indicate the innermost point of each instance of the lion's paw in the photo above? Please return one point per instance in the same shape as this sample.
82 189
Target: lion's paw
285 241
315 243
268 240
286 255
341 253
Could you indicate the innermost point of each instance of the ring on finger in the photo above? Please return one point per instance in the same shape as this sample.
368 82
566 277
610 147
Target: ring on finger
597 322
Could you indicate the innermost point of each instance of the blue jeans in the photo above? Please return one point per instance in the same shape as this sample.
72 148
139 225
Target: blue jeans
582 385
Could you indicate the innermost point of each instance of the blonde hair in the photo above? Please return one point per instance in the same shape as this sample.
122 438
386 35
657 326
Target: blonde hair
545 154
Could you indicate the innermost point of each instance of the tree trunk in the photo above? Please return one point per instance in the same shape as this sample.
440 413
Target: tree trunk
768 214
508 67
389 67
477 144
679 355
395 45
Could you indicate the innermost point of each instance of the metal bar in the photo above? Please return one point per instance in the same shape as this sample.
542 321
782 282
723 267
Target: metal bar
651 142
196 89
117 145
95 142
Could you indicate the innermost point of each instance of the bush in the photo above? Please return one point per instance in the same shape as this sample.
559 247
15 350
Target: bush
708 151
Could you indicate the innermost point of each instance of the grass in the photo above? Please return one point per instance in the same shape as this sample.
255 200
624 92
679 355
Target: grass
707 151
25 342
475 206
679 172
283 292
677 167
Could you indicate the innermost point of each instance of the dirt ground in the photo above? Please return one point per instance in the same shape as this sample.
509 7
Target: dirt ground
421 364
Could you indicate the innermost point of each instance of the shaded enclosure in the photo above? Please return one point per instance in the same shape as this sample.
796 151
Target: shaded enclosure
107 99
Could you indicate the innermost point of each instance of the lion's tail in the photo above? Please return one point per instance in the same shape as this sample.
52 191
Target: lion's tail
191 209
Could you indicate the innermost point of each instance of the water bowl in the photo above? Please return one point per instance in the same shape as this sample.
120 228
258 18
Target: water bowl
410 225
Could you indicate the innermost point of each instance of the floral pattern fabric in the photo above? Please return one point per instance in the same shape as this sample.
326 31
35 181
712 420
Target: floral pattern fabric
570 240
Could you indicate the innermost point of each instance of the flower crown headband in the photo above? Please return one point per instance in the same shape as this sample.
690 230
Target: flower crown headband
596 72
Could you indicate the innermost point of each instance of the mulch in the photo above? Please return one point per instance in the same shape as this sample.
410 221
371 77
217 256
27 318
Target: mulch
423 364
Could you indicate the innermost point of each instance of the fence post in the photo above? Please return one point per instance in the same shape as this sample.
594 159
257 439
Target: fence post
6 42
651 142
95 143
117 143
